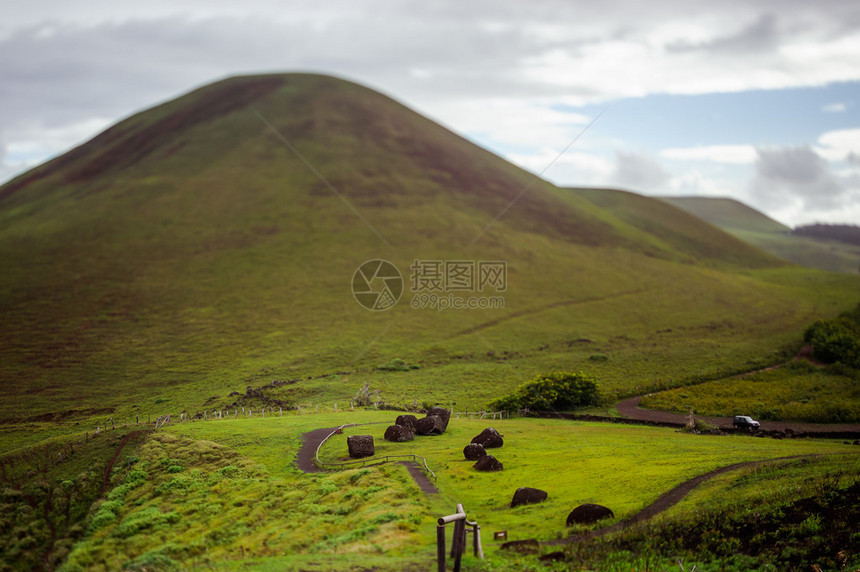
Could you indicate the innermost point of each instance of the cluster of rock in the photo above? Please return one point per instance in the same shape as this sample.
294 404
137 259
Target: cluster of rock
489 438
407 426
404 429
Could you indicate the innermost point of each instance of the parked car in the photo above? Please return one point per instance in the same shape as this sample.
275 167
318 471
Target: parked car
745 422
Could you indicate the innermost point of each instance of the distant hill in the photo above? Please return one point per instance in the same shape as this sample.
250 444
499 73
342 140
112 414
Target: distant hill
728 214
672 225
846 233
811 248
210 243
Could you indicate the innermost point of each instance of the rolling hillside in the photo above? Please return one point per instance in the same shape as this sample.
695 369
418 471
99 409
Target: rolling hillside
756 228
209 244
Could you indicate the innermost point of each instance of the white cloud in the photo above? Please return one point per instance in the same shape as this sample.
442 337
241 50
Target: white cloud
573 168
837 107
839 145
797 174
501 71
641 172
734 154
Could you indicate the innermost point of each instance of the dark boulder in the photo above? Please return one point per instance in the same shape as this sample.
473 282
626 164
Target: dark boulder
588 513
530 546
553 557
430 425
399 433
488 463
406 421
528 495
473 451
360 446
442 413
489 438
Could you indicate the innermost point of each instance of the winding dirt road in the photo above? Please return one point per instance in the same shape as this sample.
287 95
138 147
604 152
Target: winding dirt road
312 440
667 500
630 408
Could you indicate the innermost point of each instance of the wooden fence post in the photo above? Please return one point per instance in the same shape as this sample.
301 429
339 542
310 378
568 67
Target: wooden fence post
440 547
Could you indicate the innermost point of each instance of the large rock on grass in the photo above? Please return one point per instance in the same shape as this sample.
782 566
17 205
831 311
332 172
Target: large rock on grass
588 513
399 433
430 425
530 546
489 438
473 451
528 495
442 413
406 421
488 463
360 446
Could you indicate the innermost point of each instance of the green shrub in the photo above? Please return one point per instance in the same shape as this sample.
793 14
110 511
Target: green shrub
397 364
553 391
837 339
143 519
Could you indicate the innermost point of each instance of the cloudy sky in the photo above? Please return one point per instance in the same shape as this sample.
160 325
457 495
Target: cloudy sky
757 100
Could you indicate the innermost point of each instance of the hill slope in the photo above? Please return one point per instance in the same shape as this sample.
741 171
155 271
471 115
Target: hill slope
209 244
756 228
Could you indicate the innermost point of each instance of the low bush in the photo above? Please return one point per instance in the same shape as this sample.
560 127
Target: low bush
837 339
551 392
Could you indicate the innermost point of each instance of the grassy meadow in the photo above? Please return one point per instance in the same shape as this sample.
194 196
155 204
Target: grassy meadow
798 391
225 494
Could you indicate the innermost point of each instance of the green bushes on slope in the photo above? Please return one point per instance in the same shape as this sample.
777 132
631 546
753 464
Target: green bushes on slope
837 339
553 391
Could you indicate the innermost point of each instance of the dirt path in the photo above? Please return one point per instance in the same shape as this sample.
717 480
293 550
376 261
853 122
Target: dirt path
312 440
667 500
421 479
109 468
630 408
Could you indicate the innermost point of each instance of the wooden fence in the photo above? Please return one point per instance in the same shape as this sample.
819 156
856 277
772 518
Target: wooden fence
367 461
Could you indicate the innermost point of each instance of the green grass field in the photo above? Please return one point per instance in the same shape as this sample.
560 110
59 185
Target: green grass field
796 392
227 493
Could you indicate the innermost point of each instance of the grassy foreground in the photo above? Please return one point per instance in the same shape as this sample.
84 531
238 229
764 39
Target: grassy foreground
225 494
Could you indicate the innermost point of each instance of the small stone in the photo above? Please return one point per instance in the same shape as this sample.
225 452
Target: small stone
529 546
430 425
406 420
360 446
588 513
528 495
399 433
489 438
488 463
442 413
473 451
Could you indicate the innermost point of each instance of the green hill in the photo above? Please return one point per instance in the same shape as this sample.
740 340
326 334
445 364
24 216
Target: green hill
209 244
756 228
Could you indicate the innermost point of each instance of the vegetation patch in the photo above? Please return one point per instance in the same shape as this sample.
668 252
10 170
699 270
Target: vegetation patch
557 391
784 516
798 391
